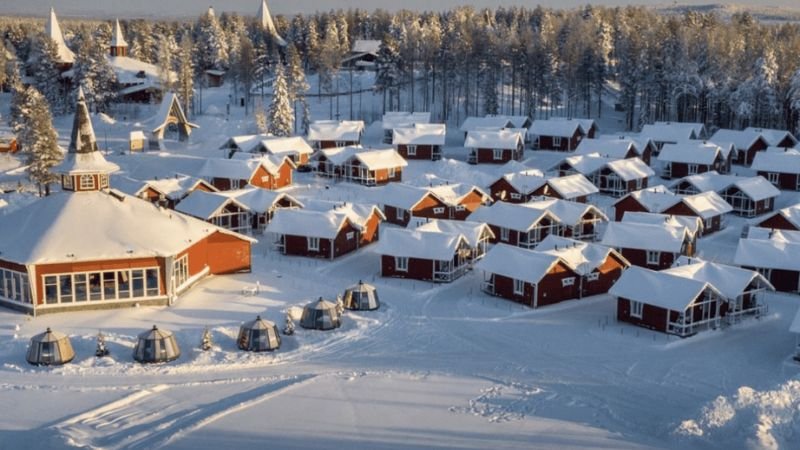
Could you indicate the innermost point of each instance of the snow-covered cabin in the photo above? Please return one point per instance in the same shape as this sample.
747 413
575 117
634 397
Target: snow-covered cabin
784 219
496 147
488 123
653 199
8 142
478 234
368 216
708 206
266 172
404 203
692 157
262 204
693 224
667 302
363 55
517 122
519 224
746 143
776 138
242 143
171 120
775 258
57 263
324 134
742 290
137 81
218 209
401 119
577 220
780 169
597 266
673 132
420 141
653 245
358 165
295 147
166 192
556 134
748 196
523 186
435 256
615 177
614 148
528 277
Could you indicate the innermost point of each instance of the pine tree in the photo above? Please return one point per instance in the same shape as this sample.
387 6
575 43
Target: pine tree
260 118
211 43
39 139
388 71
490 92
186 72
206 342
297 79
46 74
94 73
281 115
101 350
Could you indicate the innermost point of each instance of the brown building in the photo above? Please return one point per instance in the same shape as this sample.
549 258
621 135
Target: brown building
267 172
494 147
782 169
557 134
522 187
655 246
785 219
440 257
421 141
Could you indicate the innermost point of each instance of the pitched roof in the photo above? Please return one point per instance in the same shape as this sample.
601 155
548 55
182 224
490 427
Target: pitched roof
242 169
673 131
358 213
654 199
499 139
265 20
692 152
282 146
514 216
525 181
301 222
366 46
741 139
568 212
611 148
768 253
645 236
431 245
401 195
627 169
474 232
171 106
517 122
754 232
54 229
773 136
117 38
790 213
83 156
129 72
731 281
518 263
757 188
335 130
404 119
53 30
454 193
175 188
380 159
556 127
485 123
660 289
260 200
243 142
205 205
691 223
572 186
787 162
707 204
420 134
582 257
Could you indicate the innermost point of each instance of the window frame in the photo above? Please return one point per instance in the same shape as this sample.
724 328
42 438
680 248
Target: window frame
401 263
519 287
411 150
312 244
637 309
567 282
83 185
497 154
653 257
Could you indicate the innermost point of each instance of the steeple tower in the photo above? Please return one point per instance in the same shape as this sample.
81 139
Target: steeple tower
84 168
118 46
53 30
267 25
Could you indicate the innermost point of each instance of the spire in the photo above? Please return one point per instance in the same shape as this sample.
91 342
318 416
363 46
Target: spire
265 20
117 38
53 30
83 139
211 11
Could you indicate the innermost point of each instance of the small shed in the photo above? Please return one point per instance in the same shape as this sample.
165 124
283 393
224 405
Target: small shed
156 346
320 315
361 297
137 141
259 335
50 348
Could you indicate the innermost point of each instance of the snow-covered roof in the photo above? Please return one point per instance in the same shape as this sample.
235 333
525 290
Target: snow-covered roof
454 193
380 159
610 148
769 233
694 152
430 245
586 124
757 188
673 131
404 119
485 123
117 38
654 199
645 236
568 212
173 188
302 222
773 136
790 213
243 142
83 156
791 151
500 139
371 46
136 135
294 145
358 213
265 20
691 223
53 30
556 127
572 186
242 169
641 142
526 181
731 281
517 263
129 70
707 204
261 200
582 257
661 289
768 253
205 205
401 195
335 130
420 134
63 227
169 106
741 139
339 155
786 162
514 216
518 122
474 232
586 164
627 169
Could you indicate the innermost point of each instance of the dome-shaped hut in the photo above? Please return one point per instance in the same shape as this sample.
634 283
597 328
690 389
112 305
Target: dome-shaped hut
320 315
361 297
50 348
259 335
156 346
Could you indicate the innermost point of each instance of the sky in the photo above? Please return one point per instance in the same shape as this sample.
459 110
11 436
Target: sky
193 8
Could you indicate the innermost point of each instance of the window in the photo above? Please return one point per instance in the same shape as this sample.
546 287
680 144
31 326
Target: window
137 279
636 309
68 182
504 233
101 286
773 178
341 143
103 181
692 170
313 244
350 235
400 213
180 271
86 182
519 287
570 281
708 223
401 263
765 272
460 208
265 178
392 172
14 286
653 257
515 196
594 276
438 210
151 282
556 141
411 150
497 153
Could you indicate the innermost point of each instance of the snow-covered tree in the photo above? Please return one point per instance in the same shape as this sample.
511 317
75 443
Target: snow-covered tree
212 46
288 327
388 70
101 349
206 342
94 73
38 139
298 86
281 114
260 118
45 70
186 72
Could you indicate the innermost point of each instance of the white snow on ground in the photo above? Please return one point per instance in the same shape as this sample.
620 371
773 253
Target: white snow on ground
437 366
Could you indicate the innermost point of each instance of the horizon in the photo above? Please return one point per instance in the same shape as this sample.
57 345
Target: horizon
70 9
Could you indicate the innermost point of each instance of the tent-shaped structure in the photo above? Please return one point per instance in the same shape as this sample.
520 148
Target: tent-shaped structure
172 114
156 346
50 348
320 315
361 297
259 335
